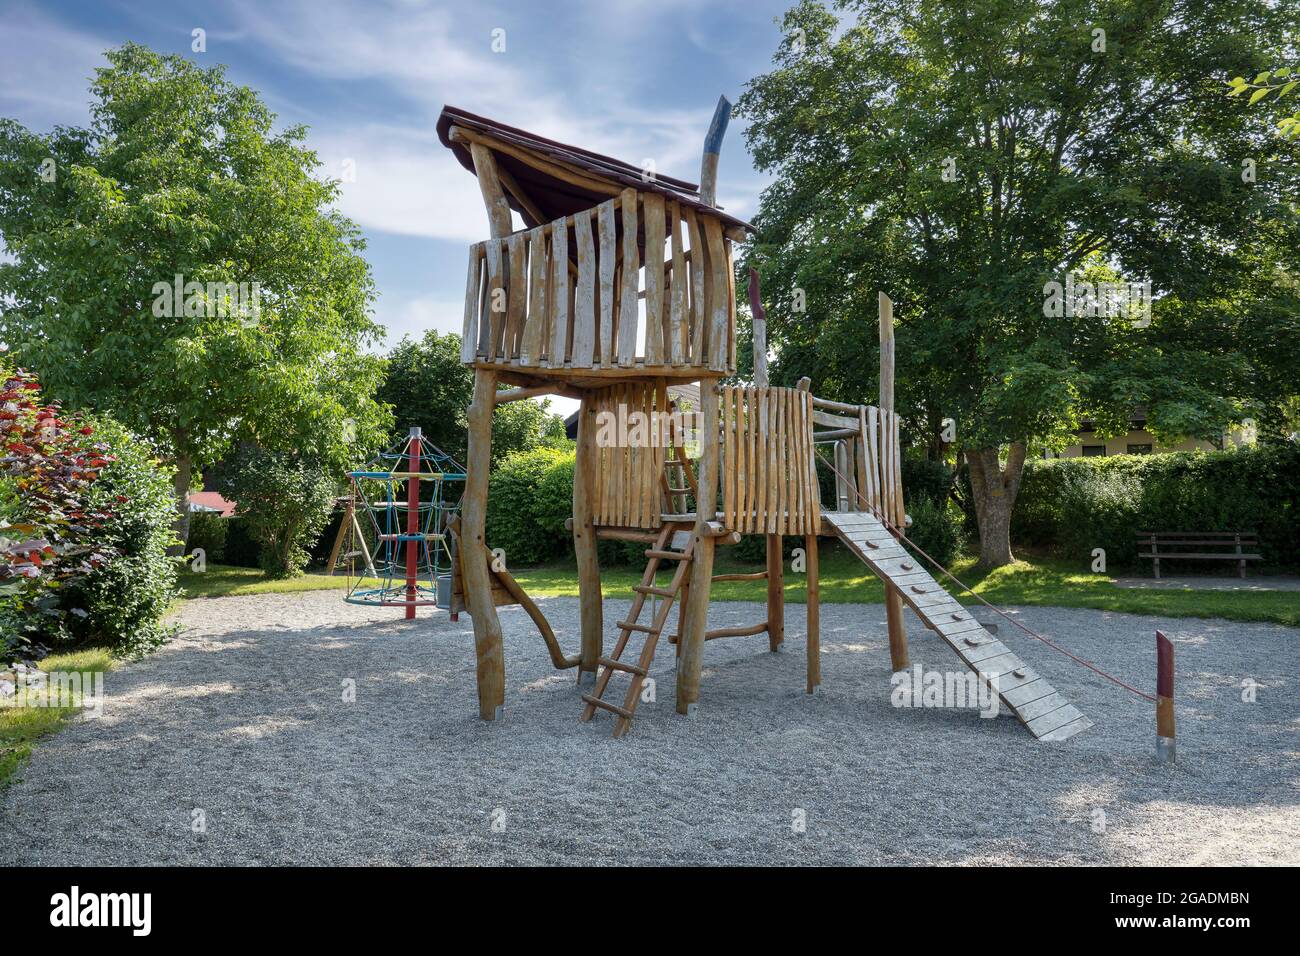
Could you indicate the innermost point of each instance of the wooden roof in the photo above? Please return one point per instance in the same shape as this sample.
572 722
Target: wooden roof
550 194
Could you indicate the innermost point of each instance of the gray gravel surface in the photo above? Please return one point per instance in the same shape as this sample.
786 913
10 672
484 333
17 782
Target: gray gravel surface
242 718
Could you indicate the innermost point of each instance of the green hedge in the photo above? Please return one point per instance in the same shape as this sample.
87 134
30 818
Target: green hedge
125 600
530 494
1078 504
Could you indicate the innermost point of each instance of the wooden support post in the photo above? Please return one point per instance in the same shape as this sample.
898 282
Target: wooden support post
345 525
473 568
814 615
893 600
696 615
1165 749
775 593
584 544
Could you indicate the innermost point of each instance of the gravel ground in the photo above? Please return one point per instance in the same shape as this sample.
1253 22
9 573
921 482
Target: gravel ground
242 718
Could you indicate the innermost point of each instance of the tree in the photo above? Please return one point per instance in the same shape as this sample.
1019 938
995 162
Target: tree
178 266
962 156
286 502
427 385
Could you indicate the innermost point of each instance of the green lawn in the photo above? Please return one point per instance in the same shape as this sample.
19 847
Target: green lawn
221 580
1038 581
845 579
20 727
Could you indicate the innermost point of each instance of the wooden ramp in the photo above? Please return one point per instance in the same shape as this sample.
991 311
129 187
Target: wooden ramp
1046 714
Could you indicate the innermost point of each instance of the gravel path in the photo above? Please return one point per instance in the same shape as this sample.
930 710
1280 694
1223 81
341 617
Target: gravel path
243 719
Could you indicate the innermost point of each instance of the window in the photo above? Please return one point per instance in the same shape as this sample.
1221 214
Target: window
1139 449
1094 451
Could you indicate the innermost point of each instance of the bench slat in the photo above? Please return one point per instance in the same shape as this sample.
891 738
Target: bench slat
1175 555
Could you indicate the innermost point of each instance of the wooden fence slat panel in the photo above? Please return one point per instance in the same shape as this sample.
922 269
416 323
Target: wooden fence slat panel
678 322
757 473
698 320
898 472
653 209
559 294
469 329
584 312
728 457
608 262
496 300
730 307
631 266
530 349
517 294
716 295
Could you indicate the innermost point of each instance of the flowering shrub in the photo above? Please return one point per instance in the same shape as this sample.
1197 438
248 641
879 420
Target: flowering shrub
50 532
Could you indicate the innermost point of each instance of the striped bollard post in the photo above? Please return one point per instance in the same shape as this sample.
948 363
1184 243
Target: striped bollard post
1165 748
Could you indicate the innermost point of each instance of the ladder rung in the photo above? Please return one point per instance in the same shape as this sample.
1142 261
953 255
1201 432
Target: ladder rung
667 555
606 705
678 491
674 461
622 666
661 592
631 626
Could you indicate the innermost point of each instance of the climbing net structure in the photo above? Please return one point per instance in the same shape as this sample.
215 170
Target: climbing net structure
403 502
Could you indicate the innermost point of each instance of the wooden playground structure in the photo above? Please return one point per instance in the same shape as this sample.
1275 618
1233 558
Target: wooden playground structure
620 287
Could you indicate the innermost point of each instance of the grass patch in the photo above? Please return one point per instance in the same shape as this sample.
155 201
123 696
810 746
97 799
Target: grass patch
221 580
1033 582
21 727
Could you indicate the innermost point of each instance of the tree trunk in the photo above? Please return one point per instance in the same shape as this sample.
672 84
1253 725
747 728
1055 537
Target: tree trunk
181 487
994 489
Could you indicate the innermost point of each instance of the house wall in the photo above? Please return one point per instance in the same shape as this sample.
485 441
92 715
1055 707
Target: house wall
1119 444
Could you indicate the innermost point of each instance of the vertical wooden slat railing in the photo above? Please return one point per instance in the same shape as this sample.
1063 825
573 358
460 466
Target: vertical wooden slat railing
568 294
769 485
866 456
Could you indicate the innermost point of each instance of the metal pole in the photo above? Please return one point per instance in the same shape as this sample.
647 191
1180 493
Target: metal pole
412 520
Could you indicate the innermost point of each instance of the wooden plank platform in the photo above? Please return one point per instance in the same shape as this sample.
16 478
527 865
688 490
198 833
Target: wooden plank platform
1045 713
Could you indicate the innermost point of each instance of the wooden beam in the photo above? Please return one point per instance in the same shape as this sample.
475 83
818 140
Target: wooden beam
489 184
584 543
488 649
814 614
694 621
893 600
775 593
712 149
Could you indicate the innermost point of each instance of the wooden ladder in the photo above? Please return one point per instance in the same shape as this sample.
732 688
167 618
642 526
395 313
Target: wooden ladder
657 555
677 478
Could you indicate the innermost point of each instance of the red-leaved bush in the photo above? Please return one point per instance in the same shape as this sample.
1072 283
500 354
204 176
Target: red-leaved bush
48 533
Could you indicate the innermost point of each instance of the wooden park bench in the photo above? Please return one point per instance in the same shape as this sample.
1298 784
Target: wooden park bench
1204 545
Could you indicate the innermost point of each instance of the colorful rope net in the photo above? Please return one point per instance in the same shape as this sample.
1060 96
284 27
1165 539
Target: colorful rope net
403 503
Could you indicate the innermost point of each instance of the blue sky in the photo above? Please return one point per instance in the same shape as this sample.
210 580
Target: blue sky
637 80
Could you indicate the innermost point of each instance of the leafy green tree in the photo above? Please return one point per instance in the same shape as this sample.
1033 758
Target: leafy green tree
427 386
962 156
285 502
181 179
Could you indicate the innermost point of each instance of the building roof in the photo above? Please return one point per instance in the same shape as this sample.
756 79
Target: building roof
211 501
553 196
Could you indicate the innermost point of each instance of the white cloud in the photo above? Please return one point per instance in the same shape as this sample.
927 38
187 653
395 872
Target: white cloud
405 183
47 68
414 315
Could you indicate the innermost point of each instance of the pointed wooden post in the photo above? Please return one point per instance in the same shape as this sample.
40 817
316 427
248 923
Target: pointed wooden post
584 544
1166 751
893 600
